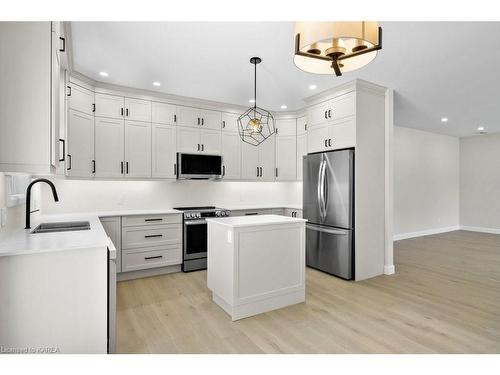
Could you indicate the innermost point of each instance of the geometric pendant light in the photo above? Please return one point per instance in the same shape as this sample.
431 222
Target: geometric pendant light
255 125
336 47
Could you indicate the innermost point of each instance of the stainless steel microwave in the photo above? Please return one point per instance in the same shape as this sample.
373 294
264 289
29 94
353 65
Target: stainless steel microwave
198 166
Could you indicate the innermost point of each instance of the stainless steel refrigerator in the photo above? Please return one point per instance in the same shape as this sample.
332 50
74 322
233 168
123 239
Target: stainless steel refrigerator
328 205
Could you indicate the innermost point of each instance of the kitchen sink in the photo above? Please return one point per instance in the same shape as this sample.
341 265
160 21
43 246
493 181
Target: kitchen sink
65 226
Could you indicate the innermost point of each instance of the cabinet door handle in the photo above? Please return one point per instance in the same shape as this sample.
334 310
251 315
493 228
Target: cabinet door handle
223 170
175 118
326 143
276 171
126 167
153 235
93 107
330 142
69 91
63 49
121 111
155 257
202 121
155 219
70 163
329 113
198 121
64 149
198 147
126 112
202 147
121 168
175 169
326 114
257 171
93 166
223 124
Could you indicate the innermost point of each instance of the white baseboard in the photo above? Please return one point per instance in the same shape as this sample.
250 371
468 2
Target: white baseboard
480 229
426 232
389 270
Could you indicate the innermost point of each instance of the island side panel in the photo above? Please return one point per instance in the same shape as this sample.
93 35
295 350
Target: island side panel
270 262
220 261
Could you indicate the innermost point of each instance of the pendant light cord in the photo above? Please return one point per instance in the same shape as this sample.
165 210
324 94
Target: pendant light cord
255 86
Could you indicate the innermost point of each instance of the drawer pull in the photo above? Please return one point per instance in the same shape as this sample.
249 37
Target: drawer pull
155 257
153 235
251 213
159 219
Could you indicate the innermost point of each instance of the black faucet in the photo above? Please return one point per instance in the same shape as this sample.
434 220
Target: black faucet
28 197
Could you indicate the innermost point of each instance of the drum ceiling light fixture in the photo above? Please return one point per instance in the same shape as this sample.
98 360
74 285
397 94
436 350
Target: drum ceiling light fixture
255 125
336 47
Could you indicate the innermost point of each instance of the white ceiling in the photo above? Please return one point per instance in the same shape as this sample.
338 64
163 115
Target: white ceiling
436 69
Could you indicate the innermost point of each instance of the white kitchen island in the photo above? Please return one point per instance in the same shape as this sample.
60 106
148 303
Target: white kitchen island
256 263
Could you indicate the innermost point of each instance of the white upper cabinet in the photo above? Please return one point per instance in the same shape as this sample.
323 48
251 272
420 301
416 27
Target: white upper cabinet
301 151
210 141
109 147
334 109
249 162
286 158
80 144
229 122
231 156
137 110
163 113
80 99
188 139
163 151
137 149
195 117
266 159
110 106
301 125
332 136
210 119
286 127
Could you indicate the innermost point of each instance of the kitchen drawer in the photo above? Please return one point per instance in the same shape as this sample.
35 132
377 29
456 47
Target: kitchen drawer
128 221
139 259
158 235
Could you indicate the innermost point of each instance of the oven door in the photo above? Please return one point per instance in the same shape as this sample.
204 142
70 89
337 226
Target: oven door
195 239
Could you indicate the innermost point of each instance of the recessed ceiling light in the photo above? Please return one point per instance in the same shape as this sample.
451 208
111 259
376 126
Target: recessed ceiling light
312 87
103 74
444 119
156 83
251 101
284 106
480 129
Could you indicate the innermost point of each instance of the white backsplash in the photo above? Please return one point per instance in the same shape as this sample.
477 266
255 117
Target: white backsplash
94 195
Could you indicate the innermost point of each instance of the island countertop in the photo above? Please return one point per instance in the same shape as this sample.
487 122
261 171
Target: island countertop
253 220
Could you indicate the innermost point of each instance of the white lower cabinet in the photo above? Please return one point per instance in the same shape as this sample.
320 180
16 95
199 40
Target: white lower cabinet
286 158
109 147
231 156
137 149
163 151
113 227
80 144
151 241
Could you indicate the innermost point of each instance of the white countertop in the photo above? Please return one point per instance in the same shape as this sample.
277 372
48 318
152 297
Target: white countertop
236 207
254 220
20 241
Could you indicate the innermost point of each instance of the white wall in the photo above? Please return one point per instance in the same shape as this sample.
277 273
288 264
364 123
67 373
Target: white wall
88 195
480 182
426 182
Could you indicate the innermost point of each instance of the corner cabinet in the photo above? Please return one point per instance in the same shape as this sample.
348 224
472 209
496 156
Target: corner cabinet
80 144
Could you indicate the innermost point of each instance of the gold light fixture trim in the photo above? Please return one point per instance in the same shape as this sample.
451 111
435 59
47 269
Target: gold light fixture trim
336 47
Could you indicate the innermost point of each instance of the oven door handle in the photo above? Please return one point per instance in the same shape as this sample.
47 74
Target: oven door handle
195 222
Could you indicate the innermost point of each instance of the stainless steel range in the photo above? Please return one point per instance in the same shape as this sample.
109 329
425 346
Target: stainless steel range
194 230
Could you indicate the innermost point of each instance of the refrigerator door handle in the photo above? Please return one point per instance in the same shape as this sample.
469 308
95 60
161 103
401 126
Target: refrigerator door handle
323 188
320 202
319 228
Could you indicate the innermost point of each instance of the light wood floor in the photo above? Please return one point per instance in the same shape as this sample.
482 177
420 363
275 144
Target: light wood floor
444 298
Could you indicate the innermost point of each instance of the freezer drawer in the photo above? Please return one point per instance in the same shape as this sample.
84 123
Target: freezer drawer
330 250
